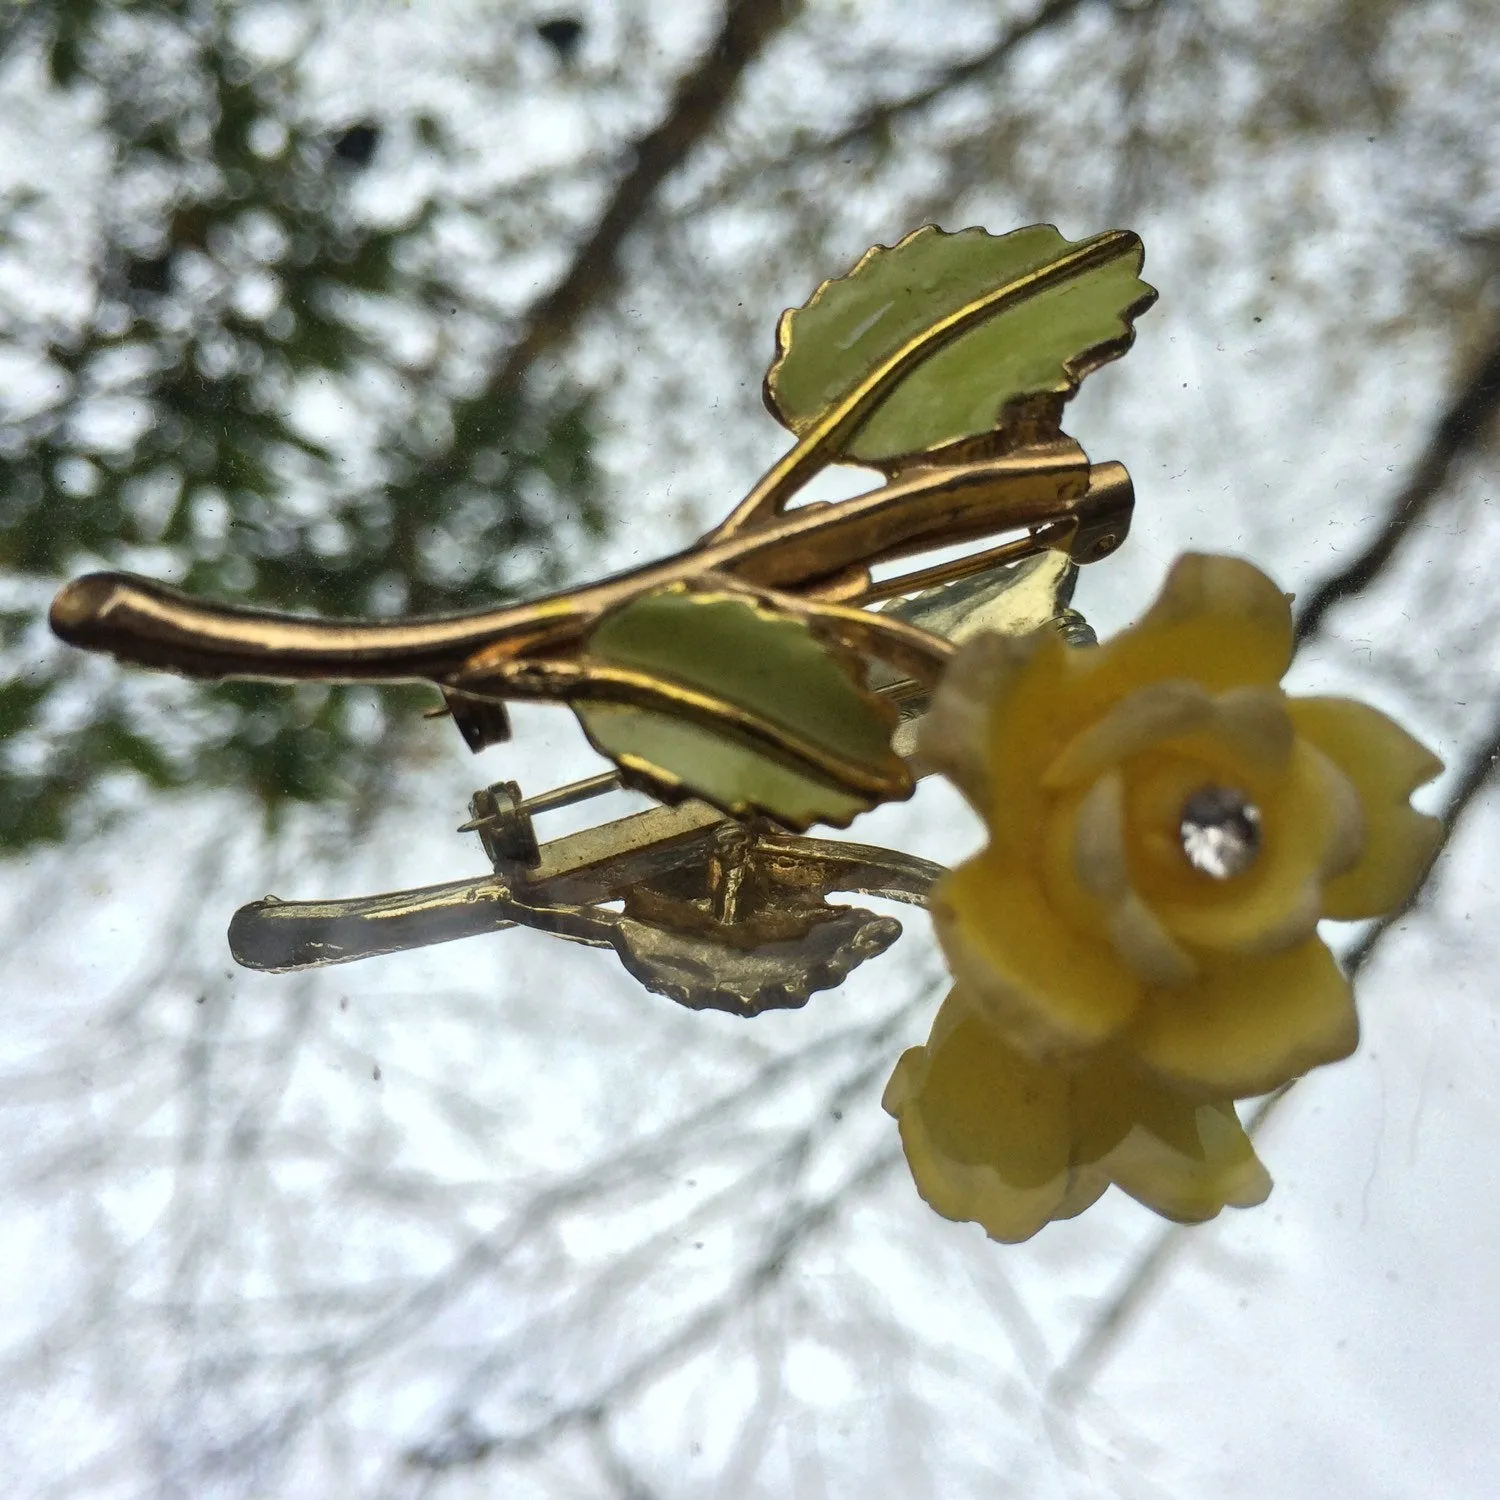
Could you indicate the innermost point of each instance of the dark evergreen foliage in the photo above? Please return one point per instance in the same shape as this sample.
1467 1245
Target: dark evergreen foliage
232 271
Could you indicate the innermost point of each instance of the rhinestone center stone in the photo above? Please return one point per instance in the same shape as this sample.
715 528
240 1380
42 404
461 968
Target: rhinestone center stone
1220 831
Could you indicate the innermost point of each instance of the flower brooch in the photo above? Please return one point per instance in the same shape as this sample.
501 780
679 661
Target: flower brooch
1135 949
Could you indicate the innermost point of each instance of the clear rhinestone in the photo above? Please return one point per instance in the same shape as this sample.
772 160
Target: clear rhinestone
1220 831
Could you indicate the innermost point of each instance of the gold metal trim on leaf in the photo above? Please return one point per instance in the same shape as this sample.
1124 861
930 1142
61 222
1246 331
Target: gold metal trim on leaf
694 882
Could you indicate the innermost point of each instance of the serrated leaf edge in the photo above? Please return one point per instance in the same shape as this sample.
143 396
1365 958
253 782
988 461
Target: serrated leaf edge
1076 369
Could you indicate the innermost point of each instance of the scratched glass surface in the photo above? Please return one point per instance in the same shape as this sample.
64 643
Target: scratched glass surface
388 310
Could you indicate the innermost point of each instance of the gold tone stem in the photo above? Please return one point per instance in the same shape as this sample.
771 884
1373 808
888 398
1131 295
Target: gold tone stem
804 552
1096 528
596 864
961 567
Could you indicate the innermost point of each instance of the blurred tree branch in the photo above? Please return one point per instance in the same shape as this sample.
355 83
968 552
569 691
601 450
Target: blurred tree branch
875 122
1459 431
699 102
465 1446
879 118
1108 1325
519 1287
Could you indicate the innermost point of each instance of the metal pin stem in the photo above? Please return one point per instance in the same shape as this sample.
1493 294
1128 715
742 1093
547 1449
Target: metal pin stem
950 572
576 791
561 796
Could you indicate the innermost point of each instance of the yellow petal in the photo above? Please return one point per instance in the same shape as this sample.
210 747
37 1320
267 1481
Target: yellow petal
985 1129
954 736
1311 827
1159 711
1385 765
1040 713
1218 1169
1218 620
1245 729
1182 1157
1112 1095
1252 723
1086 1186
1046 987
1098 838
1101 869
1248 1025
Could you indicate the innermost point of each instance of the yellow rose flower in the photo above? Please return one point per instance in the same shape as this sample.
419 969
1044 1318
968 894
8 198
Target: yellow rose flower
994 1136
1167 828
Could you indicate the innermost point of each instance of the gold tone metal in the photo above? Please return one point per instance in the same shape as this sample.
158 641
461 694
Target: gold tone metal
790 472
717 914
582 681
717 911
760 894
560 796
900 691
803 563
1101 522
952 572
578 791
808 552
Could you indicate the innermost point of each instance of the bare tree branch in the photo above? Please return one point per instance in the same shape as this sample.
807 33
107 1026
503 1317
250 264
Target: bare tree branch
700 100
880 117
1105 1329
1459 430
753 1282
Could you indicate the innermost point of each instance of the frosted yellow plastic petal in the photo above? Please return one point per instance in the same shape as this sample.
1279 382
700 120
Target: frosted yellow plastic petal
1042 711
1386 765
1112 1095
1086 873
1184 1158
1084 936
985 1129
1180 1156
954 737
1159 711
1086 1187
1218 621
1311 825
1046 987
1248 1025
1254 724
1218 1170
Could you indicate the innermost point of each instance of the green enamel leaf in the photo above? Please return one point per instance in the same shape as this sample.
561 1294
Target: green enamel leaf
1058 310
758 661
679 756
